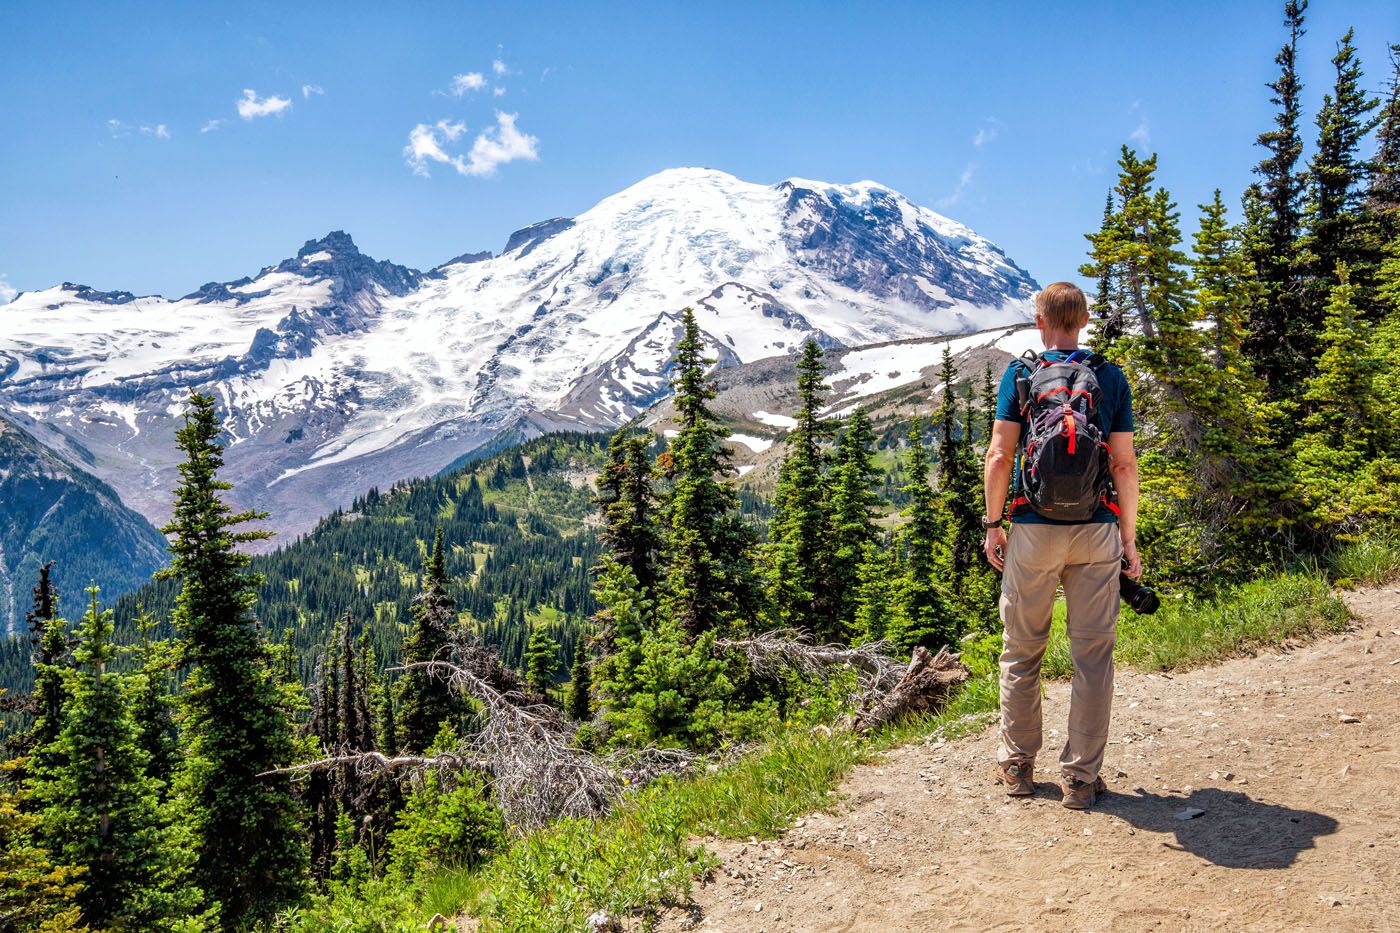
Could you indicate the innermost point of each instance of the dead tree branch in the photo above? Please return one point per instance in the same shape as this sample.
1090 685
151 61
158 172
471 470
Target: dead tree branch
526 748
772 653
924 688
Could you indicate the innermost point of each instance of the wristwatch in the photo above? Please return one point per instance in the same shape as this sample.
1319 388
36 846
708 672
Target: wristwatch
990 523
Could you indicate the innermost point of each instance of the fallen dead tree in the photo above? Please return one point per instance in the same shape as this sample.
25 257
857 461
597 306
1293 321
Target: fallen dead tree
887 689
537 775
781 650
925 687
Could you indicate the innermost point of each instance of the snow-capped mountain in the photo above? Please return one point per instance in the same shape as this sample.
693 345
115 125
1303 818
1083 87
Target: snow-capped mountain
338 372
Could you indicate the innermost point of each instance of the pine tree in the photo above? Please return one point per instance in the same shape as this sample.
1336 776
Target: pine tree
711 581
101 810
1337 175
541 660
580 686
919 612
249 856
1276 222
424 701
854 509
628 502
799 550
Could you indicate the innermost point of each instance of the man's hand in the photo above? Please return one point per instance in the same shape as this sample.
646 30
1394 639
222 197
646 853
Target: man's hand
1134 568
995 547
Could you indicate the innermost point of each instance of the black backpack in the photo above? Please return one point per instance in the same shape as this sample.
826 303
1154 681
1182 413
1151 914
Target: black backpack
1064 454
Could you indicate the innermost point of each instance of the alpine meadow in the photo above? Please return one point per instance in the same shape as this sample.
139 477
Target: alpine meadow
605 563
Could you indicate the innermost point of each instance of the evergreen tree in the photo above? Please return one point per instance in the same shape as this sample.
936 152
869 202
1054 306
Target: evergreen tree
1107 306
874 594
1345 477
1337 174
541 660
48 634
340 722
424 701
249 857
1383 185
1276 221
919 612
854 509
628 502
711 582
101 810
580 686
799 551
1224 285
960 499
988 401
153 703
37 894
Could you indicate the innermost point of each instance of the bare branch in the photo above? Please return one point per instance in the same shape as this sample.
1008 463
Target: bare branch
772 653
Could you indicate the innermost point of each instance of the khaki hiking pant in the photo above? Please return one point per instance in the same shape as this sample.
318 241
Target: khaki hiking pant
1085 560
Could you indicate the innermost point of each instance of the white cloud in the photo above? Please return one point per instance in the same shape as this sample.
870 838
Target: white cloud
989 130
252 106
308 89
498 67
1142 136
499 92
492 148
425 144
964 182
7 291
212 125
471 81
119 129
500 144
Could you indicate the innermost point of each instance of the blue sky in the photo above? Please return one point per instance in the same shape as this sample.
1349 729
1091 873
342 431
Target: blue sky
1005 116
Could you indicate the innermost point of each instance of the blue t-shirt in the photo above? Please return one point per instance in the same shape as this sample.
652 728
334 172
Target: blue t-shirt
1115 415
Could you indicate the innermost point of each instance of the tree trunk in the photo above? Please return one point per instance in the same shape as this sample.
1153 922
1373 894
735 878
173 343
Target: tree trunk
924 688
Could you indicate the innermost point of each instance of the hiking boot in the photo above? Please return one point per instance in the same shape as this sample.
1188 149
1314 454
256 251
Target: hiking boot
1081 795
1017 778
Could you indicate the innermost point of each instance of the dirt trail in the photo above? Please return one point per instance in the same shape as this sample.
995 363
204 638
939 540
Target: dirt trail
1300 829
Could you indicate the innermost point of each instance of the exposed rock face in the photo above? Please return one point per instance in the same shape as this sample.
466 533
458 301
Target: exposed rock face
338 372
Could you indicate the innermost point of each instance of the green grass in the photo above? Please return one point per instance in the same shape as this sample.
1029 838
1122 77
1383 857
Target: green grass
1372 561
1186 633
648 852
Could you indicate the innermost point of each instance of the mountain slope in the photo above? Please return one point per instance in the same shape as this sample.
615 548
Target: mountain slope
893 381
338 372
52 511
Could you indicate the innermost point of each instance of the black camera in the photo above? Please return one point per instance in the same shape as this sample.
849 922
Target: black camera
1141 599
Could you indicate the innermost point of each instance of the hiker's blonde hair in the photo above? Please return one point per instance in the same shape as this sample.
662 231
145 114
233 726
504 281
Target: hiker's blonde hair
1062 306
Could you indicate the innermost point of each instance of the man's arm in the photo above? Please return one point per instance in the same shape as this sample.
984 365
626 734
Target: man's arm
996 479
1124 467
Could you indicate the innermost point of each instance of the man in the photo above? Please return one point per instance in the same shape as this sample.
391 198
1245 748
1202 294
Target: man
1081 554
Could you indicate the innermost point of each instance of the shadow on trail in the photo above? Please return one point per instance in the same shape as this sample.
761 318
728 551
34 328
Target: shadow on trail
1235 831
